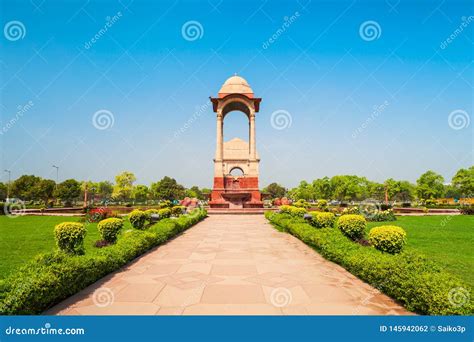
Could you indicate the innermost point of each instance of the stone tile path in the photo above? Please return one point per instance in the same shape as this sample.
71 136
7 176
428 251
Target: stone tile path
230 265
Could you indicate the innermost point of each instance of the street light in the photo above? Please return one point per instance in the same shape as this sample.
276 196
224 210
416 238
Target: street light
9 181
57 174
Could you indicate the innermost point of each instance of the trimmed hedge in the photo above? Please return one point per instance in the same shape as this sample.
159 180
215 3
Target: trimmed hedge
353 226
137 218
177 210
150 212
70 237
51 278
109 228
292 210
164 213
322 204
410 278
390 239
323 219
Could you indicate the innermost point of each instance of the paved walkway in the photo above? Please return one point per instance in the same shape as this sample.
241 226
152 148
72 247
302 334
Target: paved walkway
230 264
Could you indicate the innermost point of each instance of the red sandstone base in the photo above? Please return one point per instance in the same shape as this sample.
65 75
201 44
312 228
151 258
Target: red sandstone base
235 193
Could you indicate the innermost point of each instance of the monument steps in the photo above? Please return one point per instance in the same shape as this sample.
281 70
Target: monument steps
237 211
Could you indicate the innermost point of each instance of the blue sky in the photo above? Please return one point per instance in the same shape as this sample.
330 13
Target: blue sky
323 69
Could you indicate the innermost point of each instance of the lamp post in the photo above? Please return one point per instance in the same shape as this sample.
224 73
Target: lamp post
57 174
57 180
9 182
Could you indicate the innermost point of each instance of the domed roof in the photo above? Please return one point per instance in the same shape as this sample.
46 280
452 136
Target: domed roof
236 85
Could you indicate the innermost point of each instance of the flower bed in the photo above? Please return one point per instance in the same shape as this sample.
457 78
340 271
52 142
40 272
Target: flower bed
410 278
53 277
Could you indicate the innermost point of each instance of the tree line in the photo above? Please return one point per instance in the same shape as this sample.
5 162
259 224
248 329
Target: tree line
37 189
430 185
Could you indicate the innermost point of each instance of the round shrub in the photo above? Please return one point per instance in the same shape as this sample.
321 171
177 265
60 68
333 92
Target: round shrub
301 204
109 228
177 210
353 226
350 211
390 239
292 210
137 219
70 237
164 213
284 209
165 204
323 219
298 212
150 212
322 204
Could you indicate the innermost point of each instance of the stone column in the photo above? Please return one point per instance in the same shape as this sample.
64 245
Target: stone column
219 137
253 148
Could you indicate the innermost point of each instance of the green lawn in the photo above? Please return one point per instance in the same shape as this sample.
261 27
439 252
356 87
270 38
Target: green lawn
448 240
23 237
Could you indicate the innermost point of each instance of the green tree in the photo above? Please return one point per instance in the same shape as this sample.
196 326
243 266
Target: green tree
167 189
68 191
406 191
430 185
399 190
376 191
44 190
450 191
303 191
463 180
194 192
3 191
25 188
140 193
105 189
349 187
275 190
123 188
322 188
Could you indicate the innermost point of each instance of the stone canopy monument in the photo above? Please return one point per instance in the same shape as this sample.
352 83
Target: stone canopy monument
236 161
